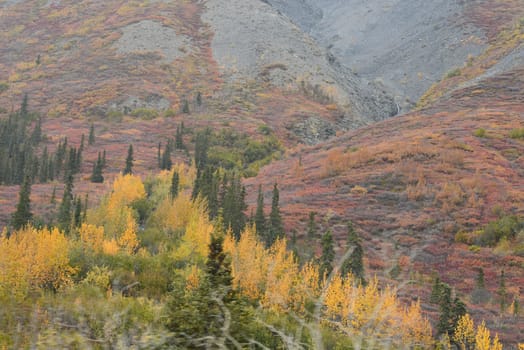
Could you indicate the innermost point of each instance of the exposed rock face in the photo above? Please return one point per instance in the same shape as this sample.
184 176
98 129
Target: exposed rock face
131 103
313 130
407 44
254 41
150 36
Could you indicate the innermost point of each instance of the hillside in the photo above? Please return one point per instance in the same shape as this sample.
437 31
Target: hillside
301 93
91 59
407 45
413 184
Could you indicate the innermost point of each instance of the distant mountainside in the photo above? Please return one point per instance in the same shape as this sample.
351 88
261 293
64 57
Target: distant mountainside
91 58
407 45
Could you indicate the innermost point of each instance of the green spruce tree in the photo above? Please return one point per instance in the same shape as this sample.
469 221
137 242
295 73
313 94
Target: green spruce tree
129 161
328 254
96 175
91 138
311 226
22 216
354 264
77 216
175 184
65 210
275 229
260 218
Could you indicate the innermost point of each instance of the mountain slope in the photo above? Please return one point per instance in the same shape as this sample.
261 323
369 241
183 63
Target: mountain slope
93 58
408 45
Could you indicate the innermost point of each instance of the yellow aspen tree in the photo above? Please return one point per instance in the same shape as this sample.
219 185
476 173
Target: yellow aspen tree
483 339
280 279
194 244
416 329
126 189
307 286
465 332
92 237
249 263
32 259
128 241
335 298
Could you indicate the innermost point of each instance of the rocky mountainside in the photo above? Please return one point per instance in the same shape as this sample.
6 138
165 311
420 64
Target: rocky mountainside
93 58
407 45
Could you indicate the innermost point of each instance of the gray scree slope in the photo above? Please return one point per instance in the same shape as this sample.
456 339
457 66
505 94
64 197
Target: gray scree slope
406 44
252 40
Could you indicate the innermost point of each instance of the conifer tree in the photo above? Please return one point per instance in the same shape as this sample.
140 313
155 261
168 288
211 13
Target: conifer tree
53 196
175 184
96 175
201 149
199 99
328 254
354 263
103 163
311 226
275 229
444 325
129 161
234 206
91 138
36 136
23 214
65 210
24 107
77 217
179 140
260 218
166 158
86 200
44 166
185 107
218 266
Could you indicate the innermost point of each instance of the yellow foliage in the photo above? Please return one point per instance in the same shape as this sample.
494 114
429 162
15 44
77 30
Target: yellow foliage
126 189
369 311
110 247
282 270
92 236
31 260
190 217
114 211
128 241
248 263
464 332
483 339
307 286
193 279
175 215
417 329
